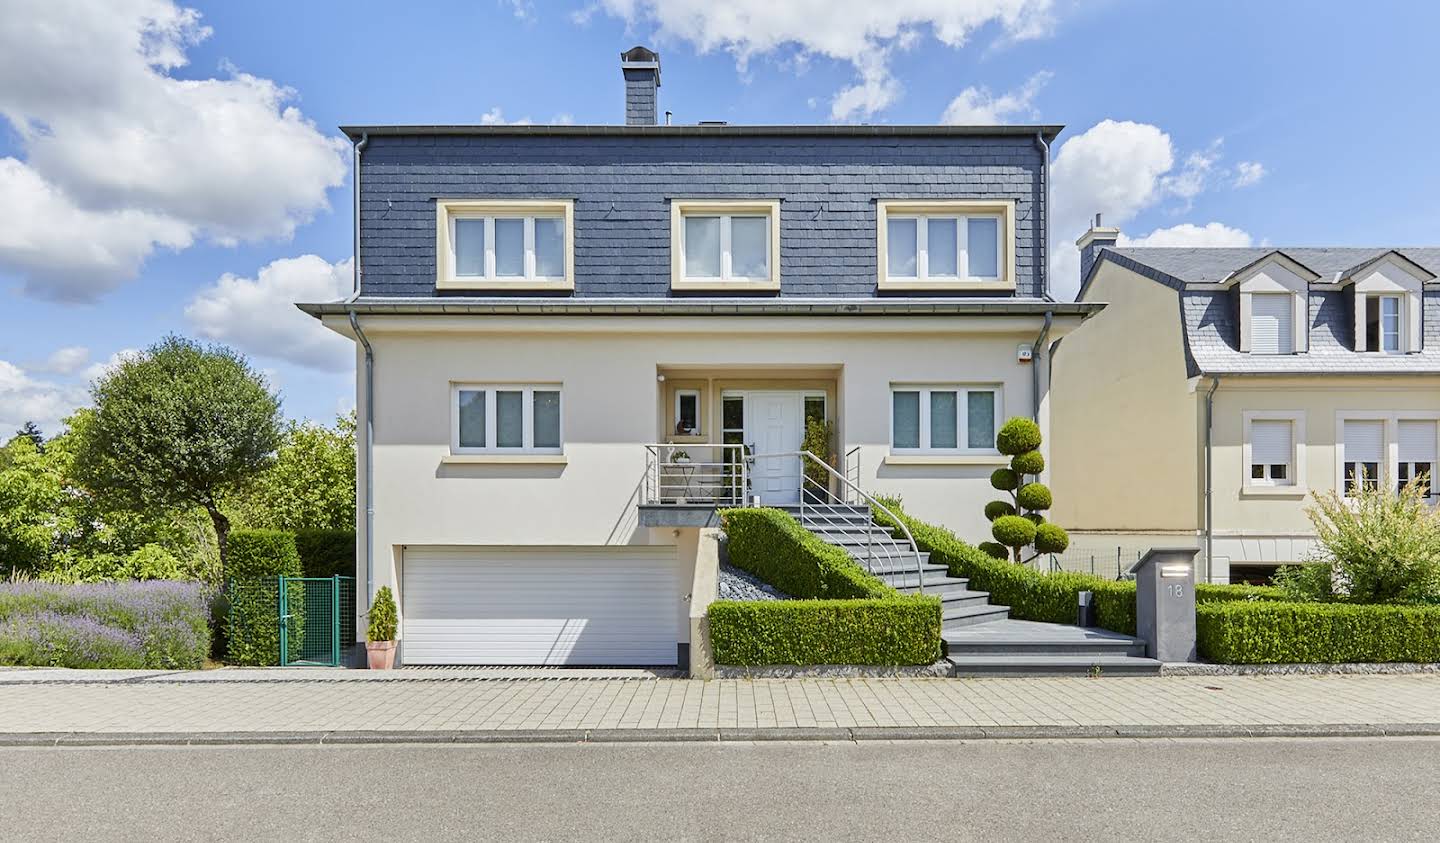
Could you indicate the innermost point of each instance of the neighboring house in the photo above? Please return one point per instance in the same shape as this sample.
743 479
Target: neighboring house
577 333
1316 368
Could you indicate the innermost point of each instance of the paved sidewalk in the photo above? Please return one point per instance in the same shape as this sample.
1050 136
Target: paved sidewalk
571 706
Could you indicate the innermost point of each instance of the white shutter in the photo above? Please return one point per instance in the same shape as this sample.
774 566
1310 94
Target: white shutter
1271 442
1417 441
1272 323
1365 441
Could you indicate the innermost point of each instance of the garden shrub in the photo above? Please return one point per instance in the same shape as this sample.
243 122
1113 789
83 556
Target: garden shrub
258 558
382 616
1014 523
326 553
156 625
901 630
1373 547
772 545
1269 632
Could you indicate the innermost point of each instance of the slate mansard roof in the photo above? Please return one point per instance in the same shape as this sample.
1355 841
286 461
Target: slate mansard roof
1211 317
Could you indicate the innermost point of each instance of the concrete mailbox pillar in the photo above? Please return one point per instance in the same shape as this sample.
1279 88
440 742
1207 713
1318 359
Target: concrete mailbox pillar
1165 603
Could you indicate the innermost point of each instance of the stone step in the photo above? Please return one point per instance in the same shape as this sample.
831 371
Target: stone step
964 616
952 603
962 644
940 586
906 581
1052 665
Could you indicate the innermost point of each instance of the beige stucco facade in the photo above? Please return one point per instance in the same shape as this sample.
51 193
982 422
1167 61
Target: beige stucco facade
615 403
1128 434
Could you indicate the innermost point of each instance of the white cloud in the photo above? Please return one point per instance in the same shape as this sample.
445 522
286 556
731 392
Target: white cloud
496 117
120 157
65 361
976 106
100 369
1121 168
26 398
258 315
1248 173
861 33
1189 234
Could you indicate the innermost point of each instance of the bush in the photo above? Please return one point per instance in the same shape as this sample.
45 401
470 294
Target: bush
1216 593
996 509
154 625
1004 479
1029 462
258 558
382 616
774 547
1034 497
1268 632
326 553
1375 547
1017 436
890 631
1050 538
1013 530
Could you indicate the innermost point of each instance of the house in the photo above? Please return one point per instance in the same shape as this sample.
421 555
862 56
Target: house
1222 386
574 343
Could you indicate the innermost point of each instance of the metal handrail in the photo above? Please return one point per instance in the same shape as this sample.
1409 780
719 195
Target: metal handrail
859 493
667 479
855 453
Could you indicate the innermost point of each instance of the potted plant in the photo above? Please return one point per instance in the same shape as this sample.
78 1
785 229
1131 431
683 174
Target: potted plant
380 637
680 455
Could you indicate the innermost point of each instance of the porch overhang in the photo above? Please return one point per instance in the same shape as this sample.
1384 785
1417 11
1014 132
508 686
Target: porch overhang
679 515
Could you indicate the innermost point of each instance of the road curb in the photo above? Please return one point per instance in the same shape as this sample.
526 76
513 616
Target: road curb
857 734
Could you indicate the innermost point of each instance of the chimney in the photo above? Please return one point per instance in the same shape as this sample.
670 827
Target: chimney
641 68
1091 242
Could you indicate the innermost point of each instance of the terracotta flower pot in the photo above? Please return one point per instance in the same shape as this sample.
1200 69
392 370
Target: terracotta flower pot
380 654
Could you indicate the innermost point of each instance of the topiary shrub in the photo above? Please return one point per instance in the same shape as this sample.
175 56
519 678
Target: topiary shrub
382 616
994 550
1019 439
258 559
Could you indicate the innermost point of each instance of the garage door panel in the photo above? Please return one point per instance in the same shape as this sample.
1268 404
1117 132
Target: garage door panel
540 606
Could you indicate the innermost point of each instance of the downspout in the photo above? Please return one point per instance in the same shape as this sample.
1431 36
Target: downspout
1209 479
1035 366
369 395
1045 223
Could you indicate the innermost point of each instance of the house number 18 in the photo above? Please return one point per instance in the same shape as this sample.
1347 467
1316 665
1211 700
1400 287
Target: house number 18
1176 590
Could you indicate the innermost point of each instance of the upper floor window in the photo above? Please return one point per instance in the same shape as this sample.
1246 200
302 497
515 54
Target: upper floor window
725 244
505 419
945 245
1272 323
1383 327
504 244
943 419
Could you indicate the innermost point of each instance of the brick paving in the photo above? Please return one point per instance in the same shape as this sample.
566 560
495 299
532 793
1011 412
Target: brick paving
275 701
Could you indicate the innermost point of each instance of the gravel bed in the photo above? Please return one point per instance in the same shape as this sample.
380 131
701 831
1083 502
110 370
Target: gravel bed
736 584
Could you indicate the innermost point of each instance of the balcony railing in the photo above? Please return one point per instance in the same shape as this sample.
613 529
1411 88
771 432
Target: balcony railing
700 475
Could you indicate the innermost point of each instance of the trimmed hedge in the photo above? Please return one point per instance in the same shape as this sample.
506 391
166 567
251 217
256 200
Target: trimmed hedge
1267 632
326 553
772 545
902 630
1214 593
257 559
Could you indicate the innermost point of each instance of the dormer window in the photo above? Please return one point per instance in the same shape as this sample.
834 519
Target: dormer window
1272 323
1382 323
945 245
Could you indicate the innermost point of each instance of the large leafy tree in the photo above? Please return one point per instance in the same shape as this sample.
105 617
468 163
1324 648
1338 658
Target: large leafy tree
311 484
181 424
30 430
33 512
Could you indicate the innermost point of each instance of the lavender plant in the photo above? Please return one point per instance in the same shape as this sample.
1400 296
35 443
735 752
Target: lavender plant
154 624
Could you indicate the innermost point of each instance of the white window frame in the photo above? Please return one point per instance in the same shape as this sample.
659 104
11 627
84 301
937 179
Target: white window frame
1296 485
1391 276
1390 446
1288 300
1276 274
962 410
1377 301
1409 465
699 418
448 211
961 210
492 448
727 210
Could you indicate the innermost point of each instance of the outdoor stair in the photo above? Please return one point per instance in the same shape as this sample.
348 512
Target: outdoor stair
980 638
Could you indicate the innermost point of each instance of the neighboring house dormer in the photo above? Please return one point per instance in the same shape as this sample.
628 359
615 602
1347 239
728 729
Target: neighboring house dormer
1387 292
1274 304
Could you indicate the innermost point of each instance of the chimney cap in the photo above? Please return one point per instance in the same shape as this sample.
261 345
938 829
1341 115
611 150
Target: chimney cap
641 58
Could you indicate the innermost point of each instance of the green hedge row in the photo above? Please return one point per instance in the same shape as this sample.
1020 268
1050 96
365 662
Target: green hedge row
256 559
772 545
1267 632
902 630
326 553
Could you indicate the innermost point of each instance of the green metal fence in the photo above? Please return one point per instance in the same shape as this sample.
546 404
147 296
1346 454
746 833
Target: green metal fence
317 620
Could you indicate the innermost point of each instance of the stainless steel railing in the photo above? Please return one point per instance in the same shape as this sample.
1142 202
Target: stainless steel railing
825 505
702 474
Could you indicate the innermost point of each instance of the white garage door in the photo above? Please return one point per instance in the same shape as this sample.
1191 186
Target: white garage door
534 606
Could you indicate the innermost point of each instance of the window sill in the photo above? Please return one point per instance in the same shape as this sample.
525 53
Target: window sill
1273 492
913 286
504 459
718 285
946 459
497 285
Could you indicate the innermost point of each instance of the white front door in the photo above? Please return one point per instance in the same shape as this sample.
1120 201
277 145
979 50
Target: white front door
774 425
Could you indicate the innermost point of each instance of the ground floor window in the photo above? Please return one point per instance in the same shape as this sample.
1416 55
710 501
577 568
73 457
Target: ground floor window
1364 454
505 418
1274 452
943 418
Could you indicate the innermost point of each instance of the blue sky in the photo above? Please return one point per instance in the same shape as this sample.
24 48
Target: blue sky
175 167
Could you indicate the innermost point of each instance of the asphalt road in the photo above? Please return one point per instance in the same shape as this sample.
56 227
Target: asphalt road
1384 789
